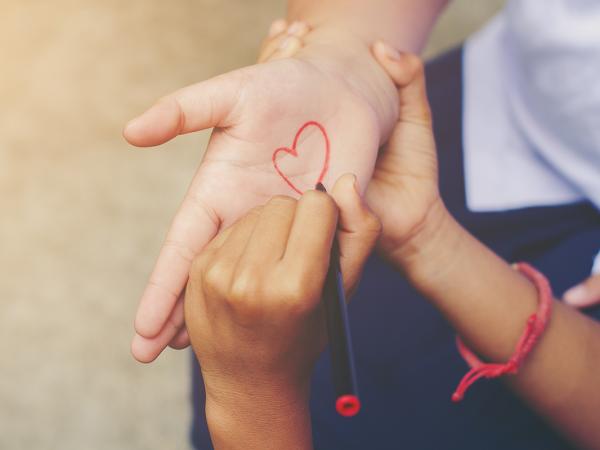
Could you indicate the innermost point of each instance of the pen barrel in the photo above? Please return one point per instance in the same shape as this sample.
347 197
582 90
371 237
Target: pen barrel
340 343
347 403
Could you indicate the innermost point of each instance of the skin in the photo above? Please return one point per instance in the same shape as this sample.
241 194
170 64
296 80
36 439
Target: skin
585 294
333 79
255 317
484 299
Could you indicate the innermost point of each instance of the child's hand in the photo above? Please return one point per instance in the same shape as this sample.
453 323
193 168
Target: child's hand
585 294
253 301
283 41
333 79
404 189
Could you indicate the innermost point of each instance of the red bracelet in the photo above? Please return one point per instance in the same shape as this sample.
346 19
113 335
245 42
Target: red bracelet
535 326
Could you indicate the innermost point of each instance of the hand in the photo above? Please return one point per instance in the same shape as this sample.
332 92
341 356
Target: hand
585 294
404 189
253 302
255 110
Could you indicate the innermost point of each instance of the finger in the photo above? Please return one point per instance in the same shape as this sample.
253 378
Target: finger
147 350
411 147
192 228
311 235
584 294
407 72
270 235
293 41
285 44
181 340
288 46
193 108
229 253
277 28
358 229
219 239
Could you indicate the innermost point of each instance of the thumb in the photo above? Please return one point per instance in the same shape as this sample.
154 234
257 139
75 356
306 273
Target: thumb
193 108
408 74
584 294
411 147
358 229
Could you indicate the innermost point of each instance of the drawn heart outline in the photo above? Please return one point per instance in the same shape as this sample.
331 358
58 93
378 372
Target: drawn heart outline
294 152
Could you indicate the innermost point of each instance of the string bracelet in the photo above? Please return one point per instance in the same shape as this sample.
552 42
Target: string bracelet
533 330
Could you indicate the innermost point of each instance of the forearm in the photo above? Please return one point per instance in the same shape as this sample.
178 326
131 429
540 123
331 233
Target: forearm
342 32
404 24
488 304
257 419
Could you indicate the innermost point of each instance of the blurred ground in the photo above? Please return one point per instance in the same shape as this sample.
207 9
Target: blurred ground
83 214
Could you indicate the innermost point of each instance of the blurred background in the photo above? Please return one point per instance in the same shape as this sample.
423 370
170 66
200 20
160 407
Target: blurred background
82 214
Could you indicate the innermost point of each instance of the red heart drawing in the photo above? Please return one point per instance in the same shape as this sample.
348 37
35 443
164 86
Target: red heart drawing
294 152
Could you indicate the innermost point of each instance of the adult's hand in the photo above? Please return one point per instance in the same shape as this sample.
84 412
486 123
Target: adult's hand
333 80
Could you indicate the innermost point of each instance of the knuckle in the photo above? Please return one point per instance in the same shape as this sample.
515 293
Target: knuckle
215 279
244 296
255 212
282 206
243 287
282 201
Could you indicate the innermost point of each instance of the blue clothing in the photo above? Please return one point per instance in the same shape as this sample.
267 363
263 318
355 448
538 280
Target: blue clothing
406 359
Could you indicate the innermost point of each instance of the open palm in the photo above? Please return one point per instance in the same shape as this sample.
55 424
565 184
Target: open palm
255 111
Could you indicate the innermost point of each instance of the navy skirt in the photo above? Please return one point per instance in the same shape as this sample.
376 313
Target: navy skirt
406 359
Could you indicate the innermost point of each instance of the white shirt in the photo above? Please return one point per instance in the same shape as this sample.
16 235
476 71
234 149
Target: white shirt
531 119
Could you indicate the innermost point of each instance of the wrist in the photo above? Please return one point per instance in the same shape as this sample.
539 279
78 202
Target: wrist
348 56
224 394
432 248
405 25
256 418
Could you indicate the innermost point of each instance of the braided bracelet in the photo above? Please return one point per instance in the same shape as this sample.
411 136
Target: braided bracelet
535 326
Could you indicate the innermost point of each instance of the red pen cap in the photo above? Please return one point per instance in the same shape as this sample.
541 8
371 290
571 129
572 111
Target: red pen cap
347 405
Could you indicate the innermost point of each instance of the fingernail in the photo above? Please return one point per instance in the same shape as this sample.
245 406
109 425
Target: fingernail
297 27
576 295
277 27
389 51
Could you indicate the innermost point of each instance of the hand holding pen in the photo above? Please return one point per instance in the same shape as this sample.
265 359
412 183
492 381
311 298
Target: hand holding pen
254 311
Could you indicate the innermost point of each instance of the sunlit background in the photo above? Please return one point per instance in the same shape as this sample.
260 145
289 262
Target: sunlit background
82 214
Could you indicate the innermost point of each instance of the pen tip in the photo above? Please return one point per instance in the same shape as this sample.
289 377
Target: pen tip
320 187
